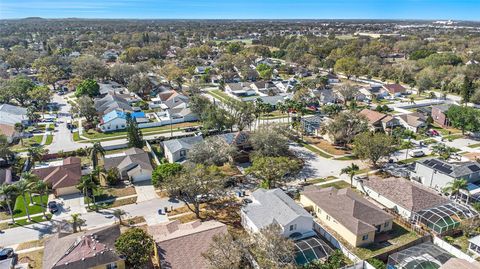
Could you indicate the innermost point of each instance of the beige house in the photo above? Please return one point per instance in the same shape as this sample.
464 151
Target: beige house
344 211
64 177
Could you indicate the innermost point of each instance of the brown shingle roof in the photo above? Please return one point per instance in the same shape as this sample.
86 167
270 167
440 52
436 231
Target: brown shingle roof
354 212
394 88
413 119
66 175
407 194
180 246
456 263
81 250
372 115
7 129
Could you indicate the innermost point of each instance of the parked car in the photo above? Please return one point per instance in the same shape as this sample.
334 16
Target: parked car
52 207
246 201
6 253
417 153
191 129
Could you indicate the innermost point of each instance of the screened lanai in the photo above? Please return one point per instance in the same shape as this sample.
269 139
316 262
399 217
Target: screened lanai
310 249
443 218
423 256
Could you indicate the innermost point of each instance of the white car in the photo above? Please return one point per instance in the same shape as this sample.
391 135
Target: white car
417 153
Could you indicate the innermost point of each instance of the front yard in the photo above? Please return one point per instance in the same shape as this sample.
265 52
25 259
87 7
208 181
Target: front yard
35 208
326 146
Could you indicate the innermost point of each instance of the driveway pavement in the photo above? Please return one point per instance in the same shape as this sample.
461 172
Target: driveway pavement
145 191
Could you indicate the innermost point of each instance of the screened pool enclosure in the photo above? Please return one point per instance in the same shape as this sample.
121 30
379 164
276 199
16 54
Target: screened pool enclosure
423 256
443 218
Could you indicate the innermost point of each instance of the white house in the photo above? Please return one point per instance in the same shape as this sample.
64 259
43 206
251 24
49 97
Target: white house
437 174
274 206
176 150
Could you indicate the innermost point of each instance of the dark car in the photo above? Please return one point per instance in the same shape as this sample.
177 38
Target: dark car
246 201
52 207
6 253
191 129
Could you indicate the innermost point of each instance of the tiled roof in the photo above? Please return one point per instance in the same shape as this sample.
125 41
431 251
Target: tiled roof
394 88
407 194
86 249
354 212
372 115
66 175
181 245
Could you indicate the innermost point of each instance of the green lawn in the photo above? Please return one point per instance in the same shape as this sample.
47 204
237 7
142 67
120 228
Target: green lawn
453 137
49 140
91 134
222 96
22 222
411 160
76 136
338 185
19 209
474 145
347 158
37 139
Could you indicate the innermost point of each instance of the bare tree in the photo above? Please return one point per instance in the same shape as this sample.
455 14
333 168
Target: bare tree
211 151
225 252
272 250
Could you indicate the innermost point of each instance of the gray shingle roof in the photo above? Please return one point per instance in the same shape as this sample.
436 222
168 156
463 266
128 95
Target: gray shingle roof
456 170
185 143
354 212
134 158
271 206
12 114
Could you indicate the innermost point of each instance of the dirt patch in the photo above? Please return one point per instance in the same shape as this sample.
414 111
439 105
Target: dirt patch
326 146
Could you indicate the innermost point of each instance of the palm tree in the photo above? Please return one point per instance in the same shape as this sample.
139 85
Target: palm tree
87 186
455 186
32 179
9 191
5 151
35 154
23 187
282 107
94 151
41 188
119 213
351 171
19 129
77 222
407 145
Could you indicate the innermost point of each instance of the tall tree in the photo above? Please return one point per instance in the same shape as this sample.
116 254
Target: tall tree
41 96
345 126
50 69
194 185
88 87
373 146
76 222
137 246
211 151
273 169
23 188
454 187
165 171
94 151
89 67
225 252
272 250
134 135
268 141
9 192
88 187
84 107
351 171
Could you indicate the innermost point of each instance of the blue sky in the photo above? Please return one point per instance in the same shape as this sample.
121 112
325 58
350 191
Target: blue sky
244 9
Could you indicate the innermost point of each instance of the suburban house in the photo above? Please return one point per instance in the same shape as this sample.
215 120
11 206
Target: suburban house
326 96
401 195
344 211
180 246
10 115
111 102
412 121
117 120
439 115
133 164
86 249
240 89
111 87
474 245
378 121
312 125
176 150
395 89
174 106
274 206
63 177
437 174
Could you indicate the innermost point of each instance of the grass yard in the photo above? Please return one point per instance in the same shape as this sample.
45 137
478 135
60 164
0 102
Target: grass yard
92 134
246 41
453 137
316 151
34 258
446 131
474 146
321 180
37 139
76 136
23 222
114 192
347 158
116 203
411 160
397 237
325 146
461 242
222 96
49 140
19 209
338 185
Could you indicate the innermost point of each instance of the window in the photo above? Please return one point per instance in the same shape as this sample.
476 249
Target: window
319 211
112 265
365 237
293 227
385 225
328 217
183 153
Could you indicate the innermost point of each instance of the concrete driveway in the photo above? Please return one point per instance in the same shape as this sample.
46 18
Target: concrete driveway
70 204
145 191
